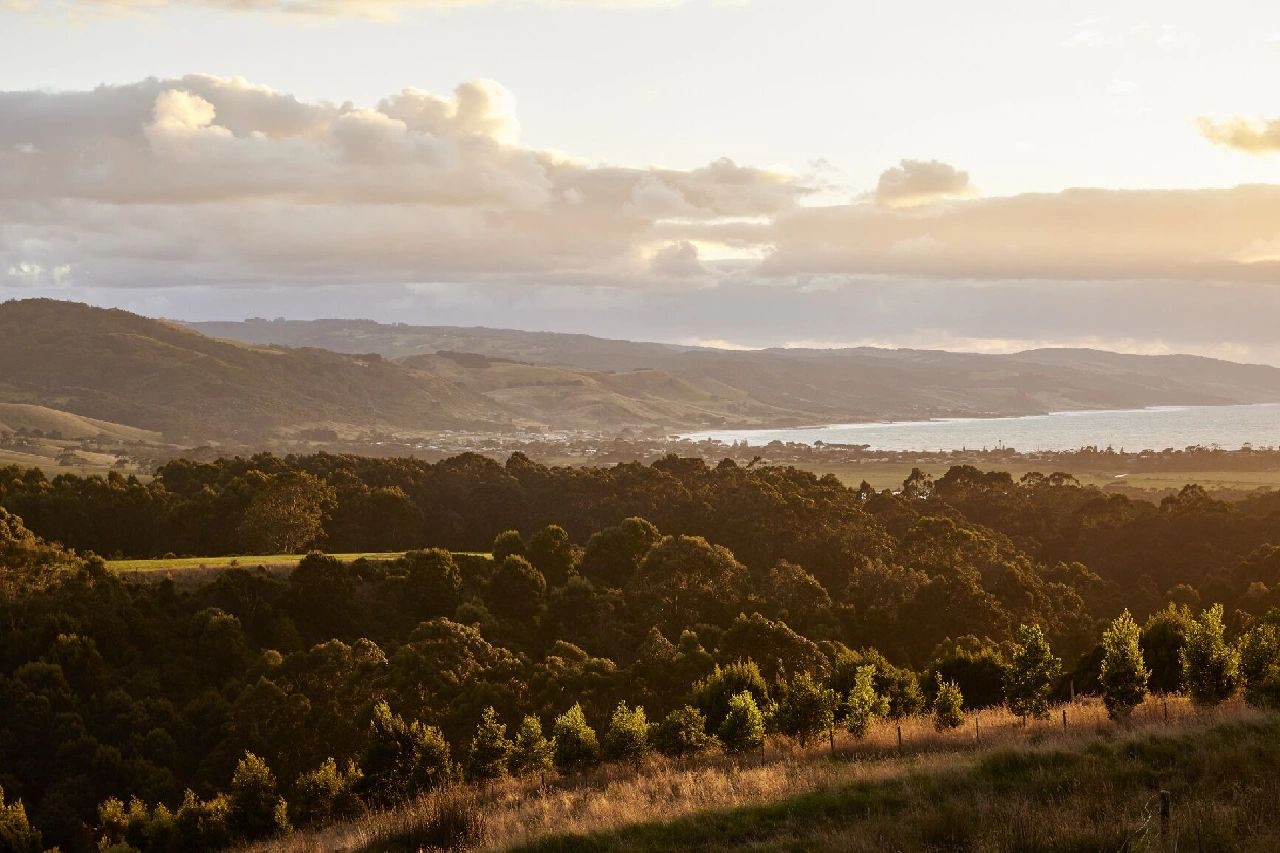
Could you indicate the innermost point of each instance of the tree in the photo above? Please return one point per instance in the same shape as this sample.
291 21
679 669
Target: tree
517 590
805 708
1163 636
553 554
1124 675
287 515
712 694
627 737
326 794
1031 673
685 580
613 554
948 706
863 704
16 833
490 749
433 584
575 742
402 759
1260 665
743 727
1210 666
682 733
508 543
530 752
254 808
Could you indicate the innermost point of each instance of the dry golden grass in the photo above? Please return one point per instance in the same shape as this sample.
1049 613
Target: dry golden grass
518 812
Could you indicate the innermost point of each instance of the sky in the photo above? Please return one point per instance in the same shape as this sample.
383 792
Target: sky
986 176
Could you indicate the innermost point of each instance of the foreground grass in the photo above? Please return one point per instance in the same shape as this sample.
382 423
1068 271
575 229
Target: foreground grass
1091 786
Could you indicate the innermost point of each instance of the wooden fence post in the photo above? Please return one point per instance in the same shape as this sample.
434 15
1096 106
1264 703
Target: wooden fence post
977 735
899 738
1164 814
1064 719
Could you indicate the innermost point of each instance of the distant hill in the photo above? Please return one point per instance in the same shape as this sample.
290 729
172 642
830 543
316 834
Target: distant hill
614 381
81 370
126 369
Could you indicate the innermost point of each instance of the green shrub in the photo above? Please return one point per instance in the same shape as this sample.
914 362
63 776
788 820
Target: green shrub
575 742
742 729
490 749
16 833
804 708
402 760
1124 675
1260 666
863 704
711 695
681 733
627 737
948 706
1210 667
254 807
530 751
326 794
1031 673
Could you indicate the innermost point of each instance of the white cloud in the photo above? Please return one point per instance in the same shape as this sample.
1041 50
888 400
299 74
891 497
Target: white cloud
917 182
1254 136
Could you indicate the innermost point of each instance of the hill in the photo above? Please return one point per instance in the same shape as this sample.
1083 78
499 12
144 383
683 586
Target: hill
120 367
602 378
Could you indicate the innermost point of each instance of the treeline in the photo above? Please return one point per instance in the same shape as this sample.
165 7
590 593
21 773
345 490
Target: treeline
144 719
794 586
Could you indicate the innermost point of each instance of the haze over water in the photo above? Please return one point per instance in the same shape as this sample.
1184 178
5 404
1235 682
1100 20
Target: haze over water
1229 427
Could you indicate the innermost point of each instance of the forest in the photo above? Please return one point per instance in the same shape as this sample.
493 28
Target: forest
544 619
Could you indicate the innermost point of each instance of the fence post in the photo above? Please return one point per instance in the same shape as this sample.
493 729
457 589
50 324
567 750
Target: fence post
1064 719
977 735
899 738
1164 814
831 737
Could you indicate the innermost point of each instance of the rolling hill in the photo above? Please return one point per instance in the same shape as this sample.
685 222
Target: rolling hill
96 370
679 385
126 369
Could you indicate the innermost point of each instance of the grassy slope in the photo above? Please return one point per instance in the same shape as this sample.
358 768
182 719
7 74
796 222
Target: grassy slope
1093 786
121 367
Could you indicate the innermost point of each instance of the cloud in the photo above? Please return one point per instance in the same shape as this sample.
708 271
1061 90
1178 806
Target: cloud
916 182
677 259
1249 135
1077 234
211 179
376 9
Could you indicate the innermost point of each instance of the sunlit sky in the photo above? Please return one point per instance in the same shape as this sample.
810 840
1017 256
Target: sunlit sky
901 174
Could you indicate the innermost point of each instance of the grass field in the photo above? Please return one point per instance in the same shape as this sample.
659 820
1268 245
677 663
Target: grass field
192 568
1093 785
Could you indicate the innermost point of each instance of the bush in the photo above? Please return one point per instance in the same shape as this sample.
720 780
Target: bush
805 708
1124 675
863 704
254 808
490 749
948 706
712 694
575 744
682 733
403 760
326 794
1210 667
627 738
16 834
1031 674
530 752
1260 666
742 729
